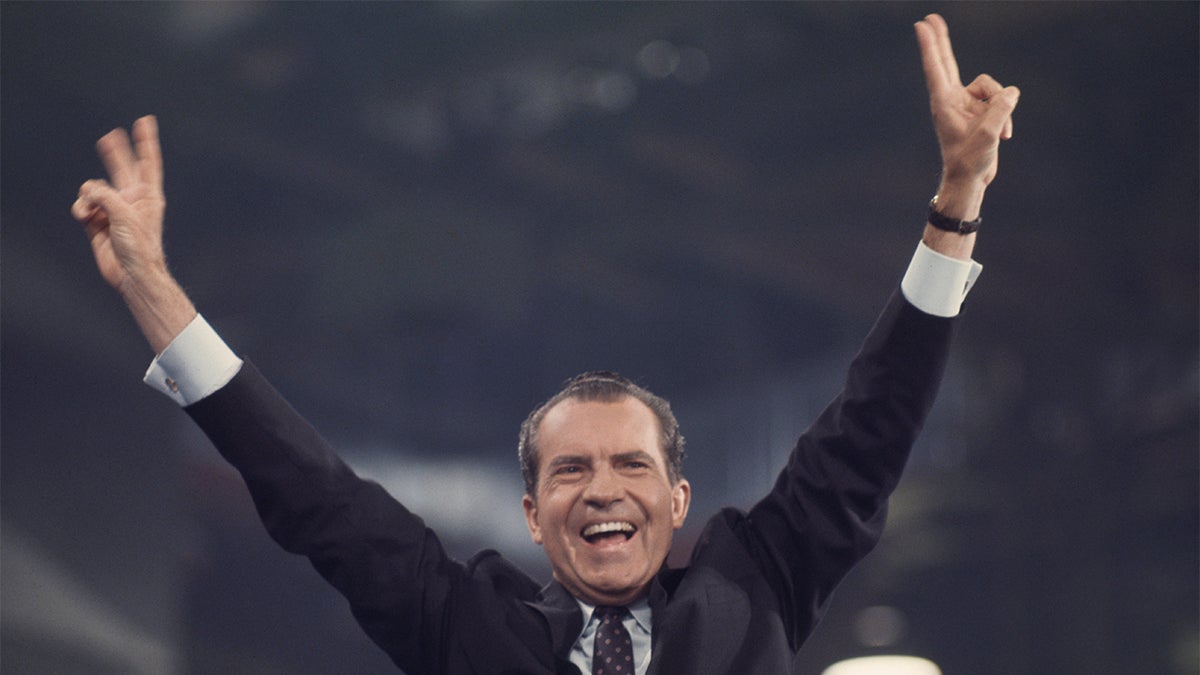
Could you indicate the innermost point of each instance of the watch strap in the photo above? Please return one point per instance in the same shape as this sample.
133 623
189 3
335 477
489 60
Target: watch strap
948 224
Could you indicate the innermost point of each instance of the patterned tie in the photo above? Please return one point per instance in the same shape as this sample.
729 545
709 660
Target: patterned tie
612 653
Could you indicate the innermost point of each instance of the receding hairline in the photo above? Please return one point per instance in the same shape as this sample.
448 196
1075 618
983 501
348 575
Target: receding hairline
602 387
614 398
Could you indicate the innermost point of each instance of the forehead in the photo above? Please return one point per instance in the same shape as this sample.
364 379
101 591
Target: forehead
575 426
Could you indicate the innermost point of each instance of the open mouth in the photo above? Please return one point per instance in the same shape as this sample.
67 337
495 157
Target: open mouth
610 531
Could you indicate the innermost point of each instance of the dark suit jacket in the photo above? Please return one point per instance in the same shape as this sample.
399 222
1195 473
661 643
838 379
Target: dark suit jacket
755 587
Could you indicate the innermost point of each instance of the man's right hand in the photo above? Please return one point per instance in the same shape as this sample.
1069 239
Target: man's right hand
970 121
123 217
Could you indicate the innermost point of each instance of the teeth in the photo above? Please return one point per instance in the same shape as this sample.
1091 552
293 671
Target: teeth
603 528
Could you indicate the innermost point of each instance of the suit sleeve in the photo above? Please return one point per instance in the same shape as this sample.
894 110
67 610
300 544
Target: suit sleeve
828 505
381 557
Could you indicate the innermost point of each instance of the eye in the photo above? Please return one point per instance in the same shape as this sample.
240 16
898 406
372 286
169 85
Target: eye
636 464
568 469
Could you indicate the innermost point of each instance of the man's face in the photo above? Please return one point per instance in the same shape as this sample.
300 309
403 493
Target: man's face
605 510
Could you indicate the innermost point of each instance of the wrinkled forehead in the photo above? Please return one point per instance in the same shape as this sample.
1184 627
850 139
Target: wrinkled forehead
617 424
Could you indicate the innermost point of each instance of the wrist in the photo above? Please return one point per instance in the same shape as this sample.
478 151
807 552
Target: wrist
158 303
146 272
961 200
949 244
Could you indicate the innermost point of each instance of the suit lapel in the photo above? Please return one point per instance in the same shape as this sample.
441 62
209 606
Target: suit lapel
562 616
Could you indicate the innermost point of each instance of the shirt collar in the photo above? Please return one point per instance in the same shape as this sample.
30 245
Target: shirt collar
640 610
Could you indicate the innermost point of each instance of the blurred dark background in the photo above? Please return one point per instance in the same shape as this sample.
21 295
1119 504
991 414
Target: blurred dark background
418 219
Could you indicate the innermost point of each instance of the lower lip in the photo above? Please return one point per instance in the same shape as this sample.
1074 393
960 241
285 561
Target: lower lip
610 542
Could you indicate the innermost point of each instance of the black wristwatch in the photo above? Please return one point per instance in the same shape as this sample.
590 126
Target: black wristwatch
951 224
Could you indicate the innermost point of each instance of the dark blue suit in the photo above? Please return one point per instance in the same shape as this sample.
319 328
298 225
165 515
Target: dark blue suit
754 589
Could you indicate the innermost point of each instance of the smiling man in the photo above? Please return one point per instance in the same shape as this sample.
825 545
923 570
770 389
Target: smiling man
602 460
605 499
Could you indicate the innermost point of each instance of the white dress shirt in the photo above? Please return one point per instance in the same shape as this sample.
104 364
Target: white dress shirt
637 622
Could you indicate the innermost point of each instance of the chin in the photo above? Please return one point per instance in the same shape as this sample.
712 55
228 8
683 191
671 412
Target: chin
613 590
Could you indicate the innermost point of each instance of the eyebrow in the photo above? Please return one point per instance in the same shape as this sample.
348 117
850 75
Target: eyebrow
640 455
568 459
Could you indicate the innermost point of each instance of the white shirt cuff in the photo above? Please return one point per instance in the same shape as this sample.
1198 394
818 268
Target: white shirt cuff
937 284
194 365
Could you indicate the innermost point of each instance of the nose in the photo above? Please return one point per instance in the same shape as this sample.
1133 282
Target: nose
604 488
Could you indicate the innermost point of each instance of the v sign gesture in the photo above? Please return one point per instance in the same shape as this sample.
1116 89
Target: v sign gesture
969 120
123 217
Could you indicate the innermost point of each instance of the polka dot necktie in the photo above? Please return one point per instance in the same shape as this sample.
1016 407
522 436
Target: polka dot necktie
612 653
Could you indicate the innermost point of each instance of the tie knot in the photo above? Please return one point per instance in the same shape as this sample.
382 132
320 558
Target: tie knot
610 613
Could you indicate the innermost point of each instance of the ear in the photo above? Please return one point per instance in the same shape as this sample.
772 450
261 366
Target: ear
531 519
681 499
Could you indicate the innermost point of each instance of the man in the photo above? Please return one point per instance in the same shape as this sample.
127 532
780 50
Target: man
601 460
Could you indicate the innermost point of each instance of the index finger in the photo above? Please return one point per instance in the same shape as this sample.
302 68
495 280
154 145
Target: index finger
117 157
937 56
149 153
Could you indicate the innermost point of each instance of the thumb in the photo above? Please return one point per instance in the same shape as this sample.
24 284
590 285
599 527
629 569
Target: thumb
85 206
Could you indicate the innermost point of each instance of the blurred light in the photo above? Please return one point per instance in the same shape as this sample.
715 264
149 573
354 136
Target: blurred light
879 626
538 104
1185 652
614 92
884 665
579 85
609 90
202 22
419 125
661 59
460 499
43 601
658 59
270 67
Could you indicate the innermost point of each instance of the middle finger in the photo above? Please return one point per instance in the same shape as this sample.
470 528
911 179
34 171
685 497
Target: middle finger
117 155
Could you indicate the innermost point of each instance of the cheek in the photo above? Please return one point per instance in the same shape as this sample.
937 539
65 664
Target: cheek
552 514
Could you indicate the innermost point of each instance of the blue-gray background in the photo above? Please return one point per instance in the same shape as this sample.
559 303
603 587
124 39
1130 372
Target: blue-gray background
418 219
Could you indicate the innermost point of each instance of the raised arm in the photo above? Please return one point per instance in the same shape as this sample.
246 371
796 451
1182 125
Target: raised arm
123 218
970 122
